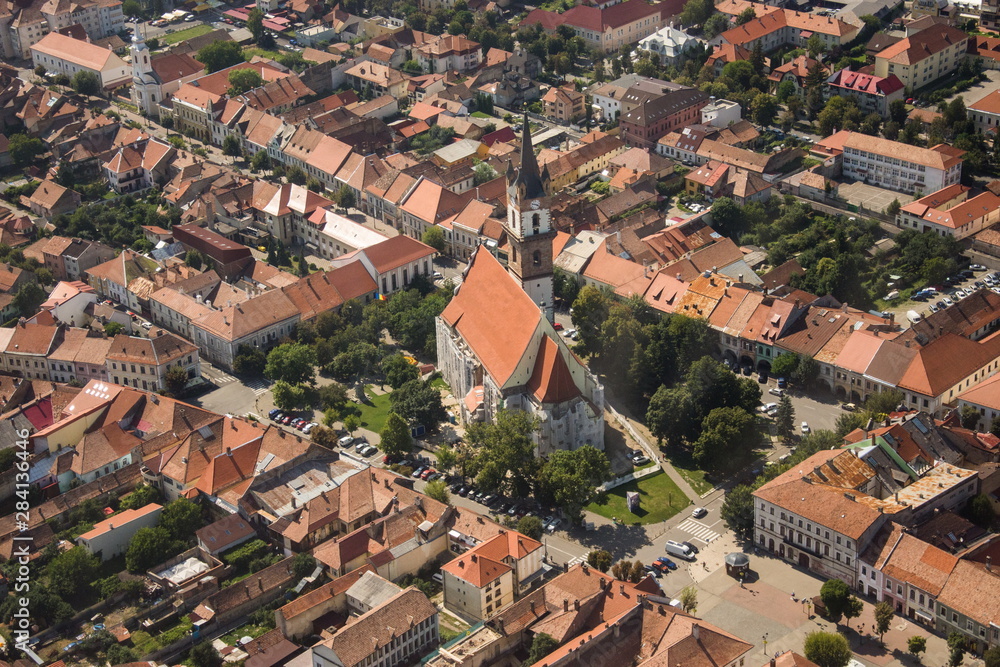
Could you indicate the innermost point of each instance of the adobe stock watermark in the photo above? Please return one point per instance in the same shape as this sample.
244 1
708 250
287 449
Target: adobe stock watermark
21 623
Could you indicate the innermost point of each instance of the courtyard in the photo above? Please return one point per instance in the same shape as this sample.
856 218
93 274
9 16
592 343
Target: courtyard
659 499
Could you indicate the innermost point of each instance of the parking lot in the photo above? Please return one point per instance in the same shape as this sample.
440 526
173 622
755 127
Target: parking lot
946 294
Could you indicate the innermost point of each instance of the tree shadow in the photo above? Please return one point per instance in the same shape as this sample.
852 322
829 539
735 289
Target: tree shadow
621 541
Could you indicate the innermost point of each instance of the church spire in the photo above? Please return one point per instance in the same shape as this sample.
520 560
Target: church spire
527 175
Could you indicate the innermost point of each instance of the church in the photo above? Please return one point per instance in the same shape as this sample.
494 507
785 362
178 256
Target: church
496 344
156 78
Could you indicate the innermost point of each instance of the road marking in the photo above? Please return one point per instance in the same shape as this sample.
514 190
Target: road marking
576 559
258 386
699 530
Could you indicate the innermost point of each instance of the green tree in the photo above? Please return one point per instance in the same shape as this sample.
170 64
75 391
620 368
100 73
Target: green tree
395 436
303 565
746 16
917 645
294 363
979 511
24 149
260 161
434 237
333 396
715 25
288 396
764 109
785 90
242 80
828 649
86 82
419 403
590 310
570 478
194 259
72 571
112 329
219 55
883 617
482 173
352 423
737 512
118 654
728 438
231 146
141 495
727 216
438 490
344 197
446 457
28 298
249 361
995 426
815 45
530 526
956 649
148 547
599 559
969 416
990 659
504 461
176 379
204 654
297 176
784 364
181 518
806 372
541 646
784 418
835 594
852 609
689 599
255 24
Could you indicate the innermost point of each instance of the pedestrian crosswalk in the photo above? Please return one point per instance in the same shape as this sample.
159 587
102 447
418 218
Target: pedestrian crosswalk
698 530
576 559
258 386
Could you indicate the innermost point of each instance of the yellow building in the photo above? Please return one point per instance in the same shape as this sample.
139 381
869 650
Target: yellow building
924 57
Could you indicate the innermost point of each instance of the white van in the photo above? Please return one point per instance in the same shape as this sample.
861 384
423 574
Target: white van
345 441
679 550
913 316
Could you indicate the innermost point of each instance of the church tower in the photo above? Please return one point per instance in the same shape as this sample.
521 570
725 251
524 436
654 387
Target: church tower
529 227
144 83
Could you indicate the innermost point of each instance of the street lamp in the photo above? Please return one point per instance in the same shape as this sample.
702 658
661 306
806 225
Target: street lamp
765 643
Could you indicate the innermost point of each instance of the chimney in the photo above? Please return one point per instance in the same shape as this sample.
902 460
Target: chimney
565 604
576 605
621 589
475 559
773 662
695 631
989 563
229 451
295 503
583 566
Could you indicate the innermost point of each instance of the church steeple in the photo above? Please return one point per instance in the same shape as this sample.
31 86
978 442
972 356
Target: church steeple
529 226
529 181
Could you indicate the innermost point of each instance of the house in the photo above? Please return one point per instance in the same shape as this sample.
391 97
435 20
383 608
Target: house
716 179
873 93
110 538
796 71
726 53
376 79
239 599
911 168
986 113
224 534
608 27
950 212
721 113
133 360
396 632
563 104
305 615
923 57
139 165
524 366
788 27
60 54
969 604
487 578
645 124
227 257
26 24
448 53
393 263
669 43
51 199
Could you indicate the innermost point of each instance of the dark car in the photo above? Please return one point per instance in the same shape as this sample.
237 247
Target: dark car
667 562
455 487
274 413
762 378
418 472
747 370
690 546
782 383
464 491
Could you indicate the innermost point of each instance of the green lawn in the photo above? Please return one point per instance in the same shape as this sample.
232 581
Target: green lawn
691 473
187 33
439 383
659 499
480 114
374 413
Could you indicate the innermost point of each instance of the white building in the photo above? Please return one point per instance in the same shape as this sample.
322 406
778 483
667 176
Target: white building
669 43
156 78
110 537
60 54
891 164
23 24
339 235
721 113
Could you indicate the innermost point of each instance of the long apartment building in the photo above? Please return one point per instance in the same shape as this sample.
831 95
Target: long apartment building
24 24
891 164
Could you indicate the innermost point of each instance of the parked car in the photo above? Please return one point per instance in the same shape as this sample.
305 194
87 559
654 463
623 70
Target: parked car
418 472
977 267
309 427
776 391
640 460
274 413
782 383
666 562
427 473
345 441
489 499
699 512
553 525
690 546
849 407
557 326
569 333
805 428
653 570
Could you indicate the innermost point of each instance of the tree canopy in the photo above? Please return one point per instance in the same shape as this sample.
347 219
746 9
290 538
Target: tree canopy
504 460
219 55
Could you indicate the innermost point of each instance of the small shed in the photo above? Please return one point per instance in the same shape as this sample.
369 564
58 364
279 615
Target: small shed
737 565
